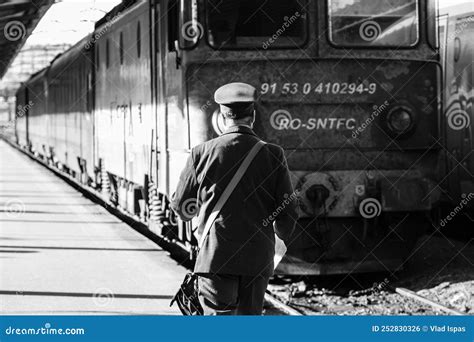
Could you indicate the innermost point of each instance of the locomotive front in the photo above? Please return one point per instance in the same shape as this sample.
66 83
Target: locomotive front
349 88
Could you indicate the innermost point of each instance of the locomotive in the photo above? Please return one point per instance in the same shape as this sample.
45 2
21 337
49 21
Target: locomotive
349 89
456 34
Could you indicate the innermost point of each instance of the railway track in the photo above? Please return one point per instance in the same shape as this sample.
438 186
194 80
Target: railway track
410 294
280 305
324 302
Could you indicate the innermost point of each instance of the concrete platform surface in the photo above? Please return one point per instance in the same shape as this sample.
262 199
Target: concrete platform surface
62 254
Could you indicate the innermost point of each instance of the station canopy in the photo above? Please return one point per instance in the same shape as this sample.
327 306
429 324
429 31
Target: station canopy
18 18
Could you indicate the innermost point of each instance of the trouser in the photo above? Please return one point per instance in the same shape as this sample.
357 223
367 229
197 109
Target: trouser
225 294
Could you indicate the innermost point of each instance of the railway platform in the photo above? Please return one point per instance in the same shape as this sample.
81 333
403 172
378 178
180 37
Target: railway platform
63 254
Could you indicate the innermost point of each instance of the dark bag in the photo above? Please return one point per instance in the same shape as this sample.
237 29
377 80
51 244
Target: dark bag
187 296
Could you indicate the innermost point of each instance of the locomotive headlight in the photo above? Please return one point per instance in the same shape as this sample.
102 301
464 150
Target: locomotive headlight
400 119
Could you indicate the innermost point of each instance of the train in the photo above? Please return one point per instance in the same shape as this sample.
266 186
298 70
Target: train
456 35
352 90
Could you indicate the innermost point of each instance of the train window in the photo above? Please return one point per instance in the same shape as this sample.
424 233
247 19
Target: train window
172 24
139 40
121 51
263 24
443 35
432 23
107 53
191 29
457 49
373 23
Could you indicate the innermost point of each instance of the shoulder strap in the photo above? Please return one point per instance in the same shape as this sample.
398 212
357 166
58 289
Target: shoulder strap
229 189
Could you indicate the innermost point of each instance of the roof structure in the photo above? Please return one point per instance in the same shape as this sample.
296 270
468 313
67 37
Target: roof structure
18 18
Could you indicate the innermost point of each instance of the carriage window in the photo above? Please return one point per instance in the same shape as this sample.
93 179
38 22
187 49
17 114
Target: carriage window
139 40
107 53
121 47
172 24
373 23
256 23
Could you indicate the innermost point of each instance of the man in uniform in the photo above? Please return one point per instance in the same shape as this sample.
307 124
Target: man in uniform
236 259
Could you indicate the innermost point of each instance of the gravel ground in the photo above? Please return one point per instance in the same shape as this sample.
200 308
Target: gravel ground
439 268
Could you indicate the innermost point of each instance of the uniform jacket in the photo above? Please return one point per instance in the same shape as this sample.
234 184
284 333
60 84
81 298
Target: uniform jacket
242 239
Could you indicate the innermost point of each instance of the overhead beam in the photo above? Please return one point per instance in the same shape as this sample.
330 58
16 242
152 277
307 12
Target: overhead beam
28 13
12 16
21 3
